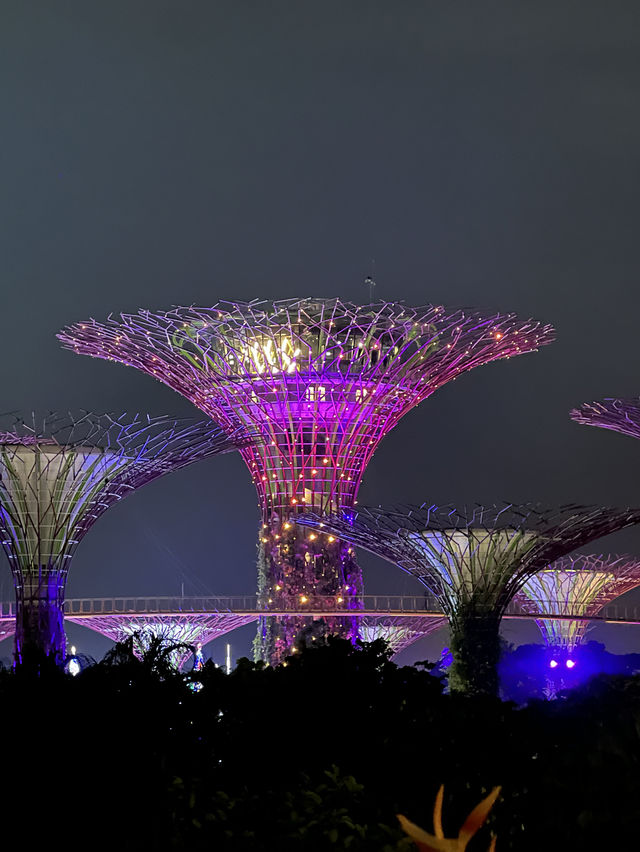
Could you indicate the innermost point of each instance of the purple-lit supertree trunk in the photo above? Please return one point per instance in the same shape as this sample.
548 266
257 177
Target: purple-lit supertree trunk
473 560
58 474
315 384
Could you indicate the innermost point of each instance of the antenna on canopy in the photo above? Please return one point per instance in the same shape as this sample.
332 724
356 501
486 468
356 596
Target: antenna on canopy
370 280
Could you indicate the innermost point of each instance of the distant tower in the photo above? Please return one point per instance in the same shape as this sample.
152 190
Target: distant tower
576 586
473 560
57 476
315 384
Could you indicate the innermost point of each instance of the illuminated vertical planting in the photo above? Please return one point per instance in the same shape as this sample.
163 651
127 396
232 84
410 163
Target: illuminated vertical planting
179 633
315 384
575 586
474 560
57 476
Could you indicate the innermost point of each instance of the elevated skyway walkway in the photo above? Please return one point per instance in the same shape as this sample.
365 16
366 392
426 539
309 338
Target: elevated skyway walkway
420 606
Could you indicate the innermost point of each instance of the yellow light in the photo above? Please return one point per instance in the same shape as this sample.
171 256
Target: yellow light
287 526
265 540
332 538
325 461
278 588
338 599
303 599
313 537
313 472
294 500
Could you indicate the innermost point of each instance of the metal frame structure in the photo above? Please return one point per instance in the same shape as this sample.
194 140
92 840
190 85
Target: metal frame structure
315 384
473 560
173 630
399 631
58 475
619 415
576 586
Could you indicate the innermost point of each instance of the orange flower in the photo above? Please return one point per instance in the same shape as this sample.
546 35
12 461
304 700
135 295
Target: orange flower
439 843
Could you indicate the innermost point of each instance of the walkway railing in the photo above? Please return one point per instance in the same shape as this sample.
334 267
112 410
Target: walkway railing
416 605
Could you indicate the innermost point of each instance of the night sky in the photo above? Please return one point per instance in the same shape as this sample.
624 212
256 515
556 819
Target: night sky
485 154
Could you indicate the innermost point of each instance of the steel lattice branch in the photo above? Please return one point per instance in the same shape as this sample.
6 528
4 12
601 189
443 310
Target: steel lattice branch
576 586
475 554
189 629
619 415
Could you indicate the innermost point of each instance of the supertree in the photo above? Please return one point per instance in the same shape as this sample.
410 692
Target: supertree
473 560
576 586
58 475
620 415
176 631
317 383
399 631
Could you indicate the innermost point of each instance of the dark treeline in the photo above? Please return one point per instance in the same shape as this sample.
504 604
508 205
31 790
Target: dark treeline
319 754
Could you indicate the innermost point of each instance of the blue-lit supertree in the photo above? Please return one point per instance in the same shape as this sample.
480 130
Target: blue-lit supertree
58 475
473 560
575 588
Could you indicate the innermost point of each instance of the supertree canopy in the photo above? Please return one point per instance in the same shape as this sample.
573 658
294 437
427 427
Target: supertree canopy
317 383
576 586
58 474
399 631
620 415
176 632
473 560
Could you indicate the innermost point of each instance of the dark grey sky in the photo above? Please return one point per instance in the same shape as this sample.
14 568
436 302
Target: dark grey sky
485 154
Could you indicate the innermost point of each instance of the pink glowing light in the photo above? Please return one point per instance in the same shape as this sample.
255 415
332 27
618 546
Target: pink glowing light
314 385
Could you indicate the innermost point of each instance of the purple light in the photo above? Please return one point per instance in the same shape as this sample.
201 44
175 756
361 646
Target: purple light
312 386
570 664
553 664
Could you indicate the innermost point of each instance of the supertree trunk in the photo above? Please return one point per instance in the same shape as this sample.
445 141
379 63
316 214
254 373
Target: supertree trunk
300 569
475 645
39 637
